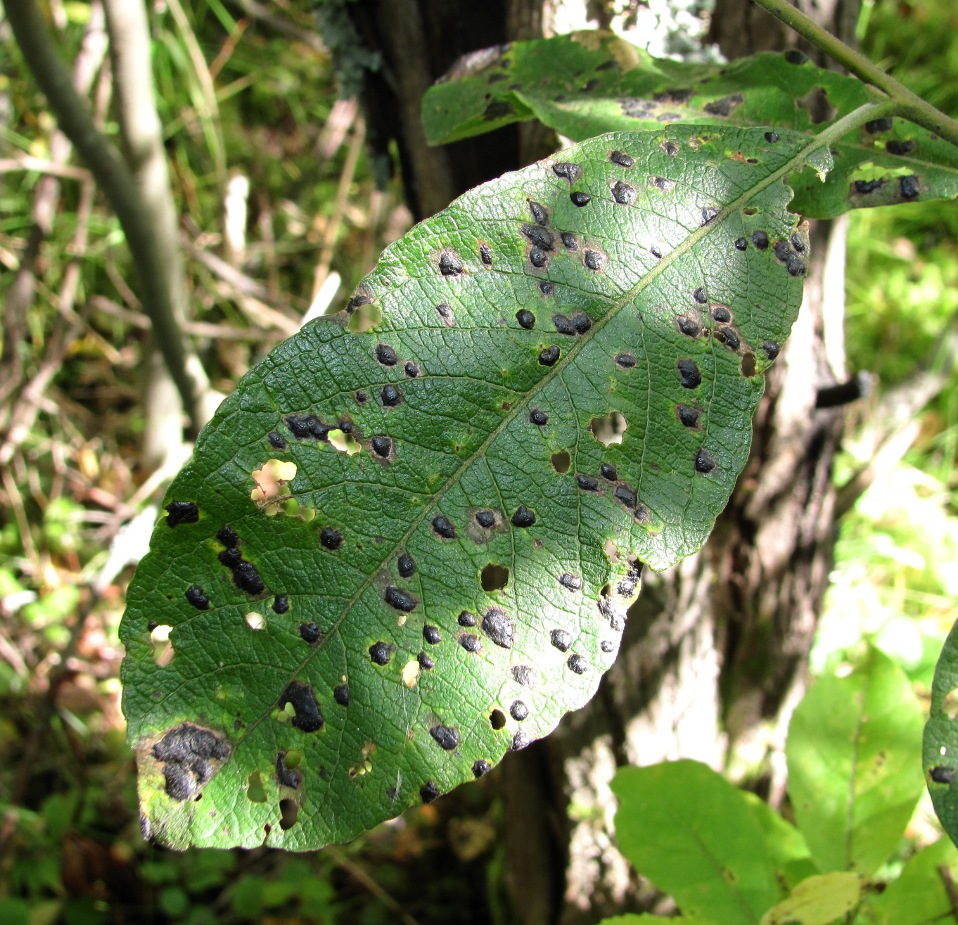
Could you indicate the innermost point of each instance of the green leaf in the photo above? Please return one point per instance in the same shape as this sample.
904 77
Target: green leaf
940 745
693 835
852 776
919 895
818 900
784 845
407 543
591 82
647 918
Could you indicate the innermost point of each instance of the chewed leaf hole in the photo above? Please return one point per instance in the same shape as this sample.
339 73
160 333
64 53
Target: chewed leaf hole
609 428
345 443
365 318
255 791
289 813
494 577
255 621
162 647
271 481
497 719
561 462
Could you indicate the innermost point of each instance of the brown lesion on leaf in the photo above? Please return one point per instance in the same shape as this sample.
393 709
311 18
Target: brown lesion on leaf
187 756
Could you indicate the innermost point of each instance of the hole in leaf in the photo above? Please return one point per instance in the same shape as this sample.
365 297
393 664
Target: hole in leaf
255 621
345 443
410 673
162 647
494 577
748 365
255 791
365 318
609 429
561 462
289 812
271 483
497 719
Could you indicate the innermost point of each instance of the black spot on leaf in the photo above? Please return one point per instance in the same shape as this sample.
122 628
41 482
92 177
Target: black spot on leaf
538 257
909 187
429 792
466 618
480 767
569 241
722 314
447 737
794 56
400 599
425 662
624 194
622 159
725 106
247 579
728 337
538 417
770 349
523 517
741 244
519 711
704 462
594 260
540 237
700 295
497 719
760 240
587 483
485 254
567 171
579 199
687 326
549 356
772 137
942 775
563 325
470 642
670 148
330 538
308 716
446 313
442 527
687 415
546 288
608 472
689 371
708 214
894 146
864 187
520 741
341 694
578 663
380 652
406 565
307 427
581 322
288 777
276 441
386 355
356 302
879 125
570 582
228 537
310 632
499 627
281 604
230 557
561 639
525 675
362 397
390 396
197 597
381 446
540 214
450 263
624 360
627 496
485 519
526 319
182 512
411 370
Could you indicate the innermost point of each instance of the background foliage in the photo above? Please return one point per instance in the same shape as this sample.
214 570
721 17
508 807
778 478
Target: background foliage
70 848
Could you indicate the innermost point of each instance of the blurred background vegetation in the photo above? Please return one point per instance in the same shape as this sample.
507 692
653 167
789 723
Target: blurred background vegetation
250 104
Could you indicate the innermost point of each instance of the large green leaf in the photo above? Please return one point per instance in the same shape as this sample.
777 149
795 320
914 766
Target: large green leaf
852 775
940 746
407 543
591 82
920 895
693 835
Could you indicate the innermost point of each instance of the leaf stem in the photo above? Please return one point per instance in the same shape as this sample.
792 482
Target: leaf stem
908 105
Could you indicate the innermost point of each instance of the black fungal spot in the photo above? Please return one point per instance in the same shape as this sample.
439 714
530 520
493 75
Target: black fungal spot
425 662
525 675
708 214
523 517
429 792
538 257
687 326
540 237
570 582
381 446
406 565
499 627
330 538
470 642
729 338
549 356
704 462
485 254
432 635
546 288
540 214
627 496
182 512
942 775
900 147
772 137
539 418
480 767
624 194
567 171
288 777
520 741
670 148
561 639
608 472
386 355
622 159
485 519
770 349
879 125
197 597
563 325
526 319
276 441
230 557
411 370
390 396
624 360
687 415
798 242
442 527
741 244
782 250
722 314
594 260
607 645
581 322
700 295
308 716
400 599
445 312
864 187
310 632
341 694
447 737
519 711
579 199
725 106
578 663
247 579
794 56
689 371
663 184
186 752
909 187
307 427
450 263
380 653
356 302
760 240
569 241
228 537
362 397
497 719
466 618
587 483
281 604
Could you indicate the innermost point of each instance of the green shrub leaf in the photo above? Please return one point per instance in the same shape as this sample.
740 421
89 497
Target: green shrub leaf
591 82
852 777
940 746
407 543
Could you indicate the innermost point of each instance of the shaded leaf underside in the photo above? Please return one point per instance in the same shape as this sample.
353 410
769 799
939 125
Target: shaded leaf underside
592 82
407 543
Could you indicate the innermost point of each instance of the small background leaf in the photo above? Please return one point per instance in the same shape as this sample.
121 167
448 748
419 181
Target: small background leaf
818 900
587 83
852 779
784 845
692 834
918 896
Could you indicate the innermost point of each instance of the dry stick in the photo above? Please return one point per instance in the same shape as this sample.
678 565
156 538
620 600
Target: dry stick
117 184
